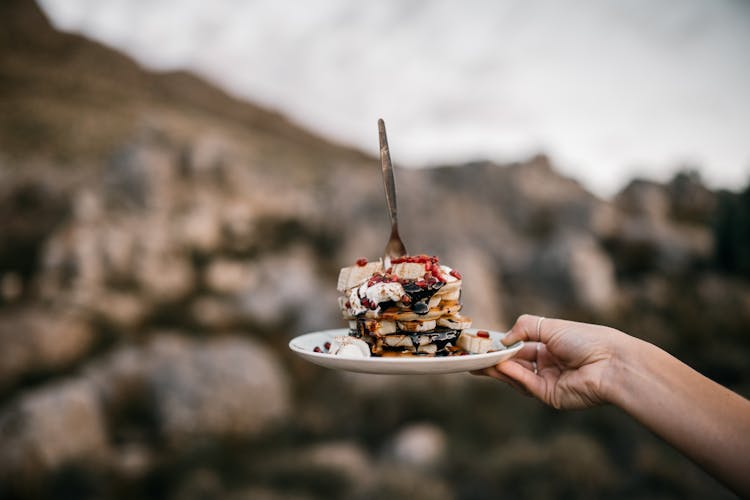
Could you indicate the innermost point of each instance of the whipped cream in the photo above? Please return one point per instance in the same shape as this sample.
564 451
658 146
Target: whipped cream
355 306
377 293
349 347
383 292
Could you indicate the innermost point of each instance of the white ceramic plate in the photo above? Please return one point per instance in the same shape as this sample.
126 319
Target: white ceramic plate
304 346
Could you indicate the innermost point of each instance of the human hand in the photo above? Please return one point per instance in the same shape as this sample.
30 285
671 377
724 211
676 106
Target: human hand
563 363
575 365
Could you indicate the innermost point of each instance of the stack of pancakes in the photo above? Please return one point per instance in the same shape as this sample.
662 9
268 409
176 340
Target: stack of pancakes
411 306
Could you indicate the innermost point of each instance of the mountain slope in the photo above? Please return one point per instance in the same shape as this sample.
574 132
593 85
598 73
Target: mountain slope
68 96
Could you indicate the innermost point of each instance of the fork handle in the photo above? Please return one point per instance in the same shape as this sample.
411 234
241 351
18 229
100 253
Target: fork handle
388 180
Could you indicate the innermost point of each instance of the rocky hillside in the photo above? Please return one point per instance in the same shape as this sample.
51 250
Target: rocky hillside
161 242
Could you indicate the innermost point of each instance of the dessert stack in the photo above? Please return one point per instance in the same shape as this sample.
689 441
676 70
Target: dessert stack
409 306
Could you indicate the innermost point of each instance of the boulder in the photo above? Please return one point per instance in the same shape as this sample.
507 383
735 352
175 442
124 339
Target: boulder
51 426
140 175
39 340
165 276
347 459
332 469
215 313
230 276
227 387
422 445
572 464
198 228
289 287
123 310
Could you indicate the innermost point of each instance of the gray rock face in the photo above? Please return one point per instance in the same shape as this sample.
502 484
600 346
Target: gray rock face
659 230
51 426
228 387
224 387
576 269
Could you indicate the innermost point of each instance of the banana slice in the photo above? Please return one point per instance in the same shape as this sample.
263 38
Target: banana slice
427 349
417 326
470 342
449 309
409 270
406 340
449 288
378 327
455 322
352 276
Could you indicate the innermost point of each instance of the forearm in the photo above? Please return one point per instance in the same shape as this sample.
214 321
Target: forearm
705 421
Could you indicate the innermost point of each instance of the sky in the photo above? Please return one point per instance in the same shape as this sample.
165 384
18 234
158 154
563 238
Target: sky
608 89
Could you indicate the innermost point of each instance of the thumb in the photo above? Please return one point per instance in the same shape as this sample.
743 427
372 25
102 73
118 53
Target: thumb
528 379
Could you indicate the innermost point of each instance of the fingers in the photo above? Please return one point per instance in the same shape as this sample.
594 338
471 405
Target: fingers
530 327
524 376
525 329
492 372
529 351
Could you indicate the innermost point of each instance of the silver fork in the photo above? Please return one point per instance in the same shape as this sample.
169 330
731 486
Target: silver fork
395 247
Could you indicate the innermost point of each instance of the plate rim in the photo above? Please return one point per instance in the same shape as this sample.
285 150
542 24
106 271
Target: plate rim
517 346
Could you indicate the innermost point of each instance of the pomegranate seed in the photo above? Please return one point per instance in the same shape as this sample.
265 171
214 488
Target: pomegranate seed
421 283
455 274
361 262
317 349
348 304
483 333
327 346
405 299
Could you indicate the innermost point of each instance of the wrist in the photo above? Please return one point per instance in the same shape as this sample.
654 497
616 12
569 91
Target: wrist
628 361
